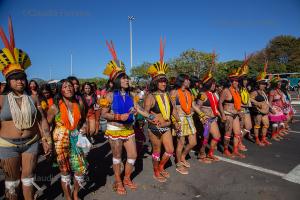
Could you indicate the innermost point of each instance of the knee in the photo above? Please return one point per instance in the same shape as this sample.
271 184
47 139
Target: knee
169 150
27 182
12 186
65 178
193 143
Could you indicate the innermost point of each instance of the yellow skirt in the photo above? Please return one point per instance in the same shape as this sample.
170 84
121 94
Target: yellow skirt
187 127
115 133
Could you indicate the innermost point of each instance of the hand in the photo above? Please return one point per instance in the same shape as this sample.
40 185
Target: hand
155 120
177 126
224 118
47 148
124 116
204 119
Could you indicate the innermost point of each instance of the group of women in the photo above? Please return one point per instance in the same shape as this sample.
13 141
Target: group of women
173 117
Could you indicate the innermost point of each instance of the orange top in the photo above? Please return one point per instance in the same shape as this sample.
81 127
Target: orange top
64 115
185 100
236 98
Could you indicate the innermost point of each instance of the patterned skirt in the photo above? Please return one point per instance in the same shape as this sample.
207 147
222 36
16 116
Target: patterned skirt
69 156
187 126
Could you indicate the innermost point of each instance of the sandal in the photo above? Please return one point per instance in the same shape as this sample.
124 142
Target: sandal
128 183
181 169
204 160
160 178
119 188
186 164
165 174
213 158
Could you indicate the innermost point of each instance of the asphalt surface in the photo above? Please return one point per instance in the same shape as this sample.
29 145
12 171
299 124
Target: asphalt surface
259 176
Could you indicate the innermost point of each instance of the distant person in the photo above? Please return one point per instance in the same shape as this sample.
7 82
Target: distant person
89 99
2 86
33 88
46 97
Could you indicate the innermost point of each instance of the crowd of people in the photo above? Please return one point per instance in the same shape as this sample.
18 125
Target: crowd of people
176 112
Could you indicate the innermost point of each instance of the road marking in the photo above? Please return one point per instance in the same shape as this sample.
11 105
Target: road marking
294 175
257 168
290 131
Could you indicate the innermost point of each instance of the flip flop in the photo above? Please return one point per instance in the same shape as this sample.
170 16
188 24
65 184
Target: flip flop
160 178
165 174
128 183
186 164
181 169
119 188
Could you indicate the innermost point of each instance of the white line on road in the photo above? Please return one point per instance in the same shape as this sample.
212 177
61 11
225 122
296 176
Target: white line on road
290 131
261 169
292 176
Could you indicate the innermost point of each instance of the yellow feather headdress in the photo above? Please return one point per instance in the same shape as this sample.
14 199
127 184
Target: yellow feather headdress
115 66
262 75
209 74
244 70
12 60
160 67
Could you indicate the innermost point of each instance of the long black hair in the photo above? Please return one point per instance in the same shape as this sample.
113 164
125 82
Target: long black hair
208 84
15 76
117 82
180 79
37 85
153 87
42 88
58 95
73 78
194 80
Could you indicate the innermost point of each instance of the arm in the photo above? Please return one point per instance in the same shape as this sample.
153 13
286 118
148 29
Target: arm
221 100
106 110
252 98
43 127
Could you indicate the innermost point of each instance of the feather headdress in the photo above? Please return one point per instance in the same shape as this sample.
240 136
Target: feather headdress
115 66
12 60
160 67
262 75
209 74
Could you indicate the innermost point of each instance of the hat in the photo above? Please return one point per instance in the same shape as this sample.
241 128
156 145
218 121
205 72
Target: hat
115 67
262 75
159 68
209 74
12 59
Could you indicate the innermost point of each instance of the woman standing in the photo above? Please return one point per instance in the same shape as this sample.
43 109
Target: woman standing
89 99
159 105
33 88
46 97
208 104
260 100
68 120
246 121
117 109
183 103
277 117
22 122
230 107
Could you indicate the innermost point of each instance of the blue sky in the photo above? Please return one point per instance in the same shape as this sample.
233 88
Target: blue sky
50 30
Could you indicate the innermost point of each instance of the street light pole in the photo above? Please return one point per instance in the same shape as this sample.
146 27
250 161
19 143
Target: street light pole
130 18
71 64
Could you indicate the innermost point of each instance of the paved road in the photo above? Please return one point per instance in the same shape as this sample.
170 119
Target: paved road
262 175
